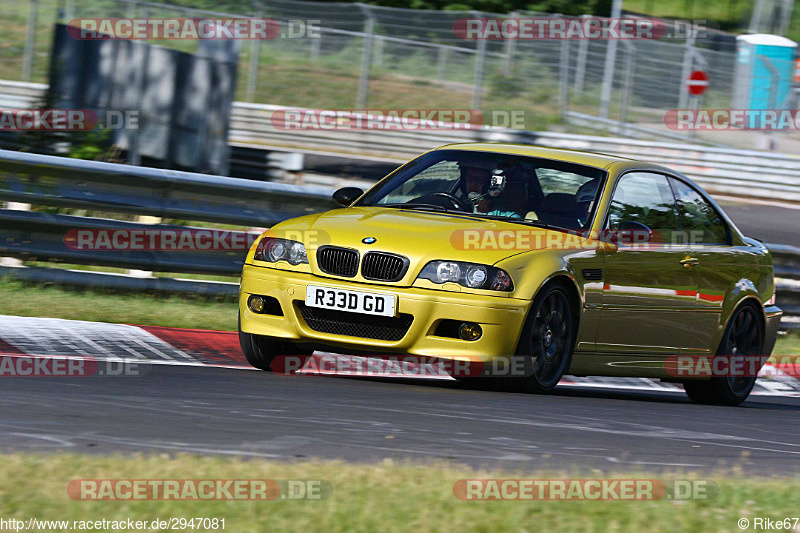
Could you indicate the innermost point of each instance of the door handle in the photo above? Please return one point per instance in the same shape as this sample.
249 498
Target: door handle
689 261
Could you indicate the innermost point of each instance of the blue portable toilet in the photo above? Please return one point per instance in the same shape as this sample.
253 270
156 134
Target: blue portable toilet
755 85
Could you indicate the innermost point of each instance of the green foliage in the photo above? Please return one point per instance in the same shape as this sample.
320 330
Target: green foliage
90 144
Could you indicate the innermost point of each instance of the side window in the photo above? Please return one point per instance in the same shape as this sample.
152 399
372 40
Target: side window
700 222
647 199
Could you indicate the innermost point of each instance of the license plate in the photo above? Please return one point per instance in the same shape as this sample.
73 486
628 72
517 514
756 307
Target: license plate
354 301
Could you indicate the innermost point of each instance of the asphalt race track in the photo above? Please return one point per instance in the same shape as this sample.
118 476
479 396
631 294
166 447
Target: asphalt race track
768 223
233 412
212 405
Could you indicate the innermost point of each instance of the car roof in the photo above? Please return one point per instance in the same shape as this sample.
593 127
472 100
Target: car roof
558 154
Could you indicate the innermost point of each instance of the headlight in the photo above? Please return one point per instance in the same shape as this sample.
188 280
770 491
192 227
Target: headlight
470 275
273 250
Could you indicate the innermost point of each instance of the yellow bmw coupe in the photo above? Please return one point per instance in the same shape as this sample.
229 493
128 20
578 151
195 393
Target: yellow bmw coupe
562 261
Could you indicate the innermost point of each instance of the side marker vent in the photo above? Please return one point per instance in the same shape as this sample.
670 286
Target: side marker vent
592 274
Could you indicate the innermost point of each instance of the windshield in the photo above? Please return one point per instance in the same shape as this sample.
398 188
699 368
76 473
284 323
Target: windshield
493 185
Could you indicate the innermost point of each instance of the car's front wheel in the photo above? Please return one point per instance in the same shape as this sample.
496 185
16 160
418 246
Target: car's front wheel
261 351
743 337
545 346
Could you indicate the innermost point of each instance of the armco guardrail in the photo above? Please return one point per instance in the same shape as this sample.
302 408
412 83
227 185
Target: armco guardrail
105 187
745 173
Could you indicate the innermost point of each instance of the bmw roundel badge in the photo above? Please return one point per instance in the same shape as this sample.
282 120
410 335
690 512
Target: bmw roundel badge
368 240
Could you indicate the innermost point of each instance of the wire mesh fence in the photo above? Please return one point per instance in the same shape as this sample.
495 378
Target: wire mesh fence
354 56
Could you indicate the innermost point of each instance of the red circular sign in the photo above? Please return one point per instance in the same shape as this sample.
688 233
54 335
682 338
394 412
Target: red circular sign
697 82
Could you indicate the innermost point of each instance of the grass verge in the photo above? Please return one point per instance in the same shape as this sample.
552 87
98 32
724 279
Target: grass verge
386 496
22 299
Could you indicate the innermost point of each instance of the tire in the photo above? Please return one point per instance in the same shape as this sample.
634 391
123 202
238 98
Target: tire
546 342
744 336
260 351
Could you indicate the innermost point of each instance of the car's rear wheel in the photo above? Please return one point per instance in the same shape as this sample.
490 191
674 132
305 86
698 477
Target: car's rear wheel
546 342
260 351
743 337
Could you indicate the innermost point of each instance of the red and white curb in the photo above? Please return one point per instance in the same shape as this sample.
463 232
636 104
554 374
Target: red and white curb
55 337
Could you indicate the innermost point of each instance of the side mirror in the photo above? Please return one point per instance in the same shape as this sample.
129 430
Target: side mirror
347 195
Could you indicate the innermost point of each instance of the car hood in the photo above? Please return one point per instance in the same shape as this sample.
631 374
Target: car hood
420 236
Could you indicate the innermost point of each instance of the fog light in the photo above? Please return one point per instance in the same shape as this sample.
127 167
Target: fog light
469 331
256 304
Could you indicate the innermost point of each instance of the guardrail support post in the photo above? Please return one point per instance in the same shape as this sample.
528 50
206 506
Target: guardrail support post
13 261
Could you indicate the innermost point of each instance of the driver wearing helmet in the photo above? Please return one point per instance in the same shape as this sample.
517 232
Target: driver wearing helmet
475 179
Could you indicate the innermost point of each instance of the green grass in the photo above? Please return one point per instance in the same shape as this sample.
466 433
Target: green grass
386 496
788 344
21 299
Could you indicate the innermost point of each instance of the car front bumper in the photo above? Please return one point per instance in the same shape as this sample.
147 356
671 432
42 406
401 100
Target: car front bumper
501 319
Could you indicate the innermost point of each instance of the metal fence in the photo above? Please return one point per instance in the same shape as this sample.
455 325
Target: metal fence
745 173
102 188
381 57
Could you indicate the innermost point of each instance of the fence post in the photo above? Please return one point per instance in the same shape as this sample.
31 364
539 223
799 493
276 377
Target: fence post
316 44
480 60
630 68
377 51
610 64
366 57
30 41
252 69
686 69
132 8
69 10
580 62
441 63
510 48
563 81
